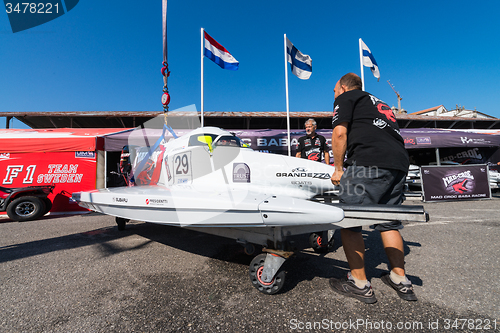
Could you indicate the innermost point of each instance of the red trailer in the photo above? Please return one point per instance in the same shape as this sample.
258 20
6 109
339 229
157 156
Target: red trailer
69 159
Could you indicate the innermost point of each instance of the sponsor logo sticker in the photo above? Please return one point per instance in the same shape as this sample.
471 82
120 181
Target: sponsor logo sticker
84 154
241 173
319 175
459 182
156 202
410 141
303 182
474 140
423 140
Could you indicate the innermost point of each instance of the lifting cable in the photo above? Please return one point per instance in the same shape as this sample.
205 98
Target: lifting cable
165 98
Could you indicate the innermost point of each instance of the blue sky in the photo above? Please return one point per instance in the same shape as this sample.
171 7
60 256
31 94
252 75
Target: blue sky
106 55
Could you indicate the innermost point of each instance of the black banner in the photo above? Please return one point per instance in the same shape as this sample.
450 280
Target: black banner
454 183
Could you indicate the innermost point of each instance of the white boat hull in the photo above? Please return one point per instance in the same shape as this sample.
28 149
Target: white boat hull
217 208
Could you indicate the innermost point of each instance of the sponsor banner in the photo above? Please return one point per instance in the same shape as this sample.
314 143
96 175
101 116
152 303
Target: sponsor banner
275 141
464 155
459 155
65 170
445 138
461 147
454 183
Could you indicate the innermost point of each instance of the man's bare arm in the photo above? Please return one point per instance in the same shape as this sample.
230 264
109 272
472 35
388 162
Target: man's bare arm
327 157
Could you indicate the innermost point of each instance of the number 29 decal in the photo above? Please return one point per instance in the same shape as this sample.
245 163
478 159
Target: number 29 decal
181 163
182 167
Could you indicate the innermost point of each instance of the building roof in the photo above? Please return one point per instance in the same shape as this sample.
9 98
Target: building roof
233 120
462 112
427 110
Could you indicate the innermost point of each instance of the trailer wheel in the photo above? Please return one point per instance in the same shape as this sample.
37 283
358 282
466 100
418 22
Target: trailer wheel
249 249
121 223
319 244
255 272
25 208
48 205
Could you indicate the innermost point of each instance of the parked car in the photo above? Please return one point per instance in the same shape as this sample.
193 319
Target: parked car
413 177
25 203
494 179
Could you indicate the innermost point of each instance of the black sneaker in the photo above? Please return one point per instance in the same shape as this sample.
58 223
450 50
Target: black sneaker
348 288
405 290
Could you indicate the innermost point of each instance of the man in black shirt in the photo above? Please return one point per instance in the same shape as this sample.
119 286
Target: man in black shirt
377 163
312 146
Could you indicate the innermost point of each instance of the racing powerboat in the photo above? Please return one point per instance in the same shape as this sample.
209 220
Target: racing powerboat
211 181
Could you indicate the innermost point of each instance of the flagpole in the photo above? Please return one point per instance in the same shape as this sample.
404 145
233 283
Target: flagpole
287 104
202 56
361 63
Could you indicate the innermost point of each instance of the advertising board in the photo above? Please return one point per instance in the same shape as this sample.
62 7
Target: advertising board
457 182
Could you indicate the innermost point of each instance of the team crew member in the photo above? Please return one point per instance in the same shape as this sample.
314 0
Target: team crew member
313 146
377 163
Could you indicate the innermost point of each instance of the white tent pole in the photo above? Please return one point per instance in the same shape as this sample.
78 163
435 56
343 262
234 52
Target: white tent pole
361 63
287 103
202 56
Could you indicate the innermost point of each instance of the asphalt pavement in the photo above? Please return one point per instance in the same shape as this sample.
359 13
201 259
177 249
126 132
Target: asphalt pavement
80 274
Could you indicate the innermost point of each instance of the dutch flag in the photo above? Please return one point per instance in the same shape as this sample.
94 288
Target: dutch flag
218 54
369 60
301 64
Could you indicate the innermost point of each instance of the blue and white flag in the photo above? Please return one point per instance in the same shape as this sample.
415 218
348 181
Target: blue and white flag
218 54
301 64
369 60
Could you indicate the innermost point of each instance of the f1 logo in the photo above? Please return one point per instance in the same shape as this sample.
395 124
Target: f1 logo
12 172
